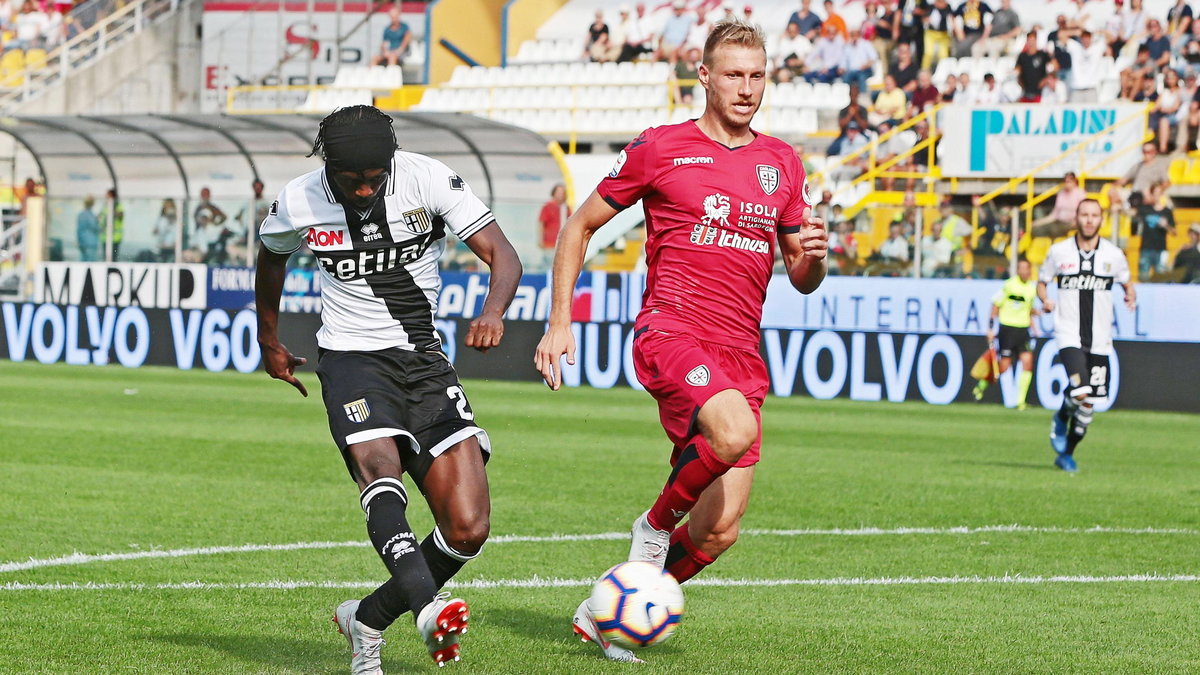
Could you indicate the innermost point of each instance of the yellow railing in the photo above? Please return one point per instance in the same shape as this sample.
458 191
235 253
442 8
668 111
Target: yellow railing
876 170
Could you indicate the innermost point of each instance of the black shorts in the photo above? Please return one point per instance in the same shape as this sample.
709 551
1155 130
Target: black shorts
1013 341
414 397
1087 373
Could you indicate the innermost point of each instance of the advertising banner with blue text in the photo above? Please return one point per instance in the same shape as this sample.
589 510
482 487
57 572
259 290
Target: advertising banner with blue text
1005 141
822 363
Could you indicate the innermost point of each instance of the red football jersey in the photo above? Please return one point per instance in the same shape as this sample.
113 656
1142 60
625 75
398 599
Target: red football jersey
712 219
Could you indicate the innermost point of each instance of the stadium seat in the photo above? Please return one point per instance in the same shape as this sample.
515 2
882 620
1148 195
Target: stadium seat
459 76
574 73
1177 170
840 93
12 66
390 77
945 68
1192 176
559 74
349 76
35 59
822 96
608 73
808 123
980 67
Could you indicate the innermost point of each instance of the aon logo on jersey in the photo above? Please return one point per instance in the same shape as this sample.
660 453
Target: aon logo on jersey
355 265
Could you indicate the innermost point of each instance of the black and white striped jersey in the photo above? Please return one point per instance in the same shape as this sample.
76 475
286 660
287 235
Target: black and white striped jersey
1083 313
379 266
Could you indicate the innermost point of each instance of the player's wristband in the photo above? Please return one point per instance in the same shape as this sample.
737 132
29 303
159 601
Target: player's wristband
790 229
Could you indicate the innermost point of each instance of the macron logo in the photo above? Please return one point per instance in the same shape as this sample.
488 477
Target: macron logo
682 161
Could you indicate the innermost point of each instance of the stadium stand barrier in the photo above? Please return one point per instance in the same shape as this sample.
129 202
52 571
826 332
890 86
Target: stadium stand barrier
25 75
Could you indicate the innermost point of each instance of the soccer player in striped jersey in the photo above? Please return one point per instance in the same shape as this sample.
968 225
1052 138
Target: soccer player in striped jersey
376 220
720 200
1086 268
1013 307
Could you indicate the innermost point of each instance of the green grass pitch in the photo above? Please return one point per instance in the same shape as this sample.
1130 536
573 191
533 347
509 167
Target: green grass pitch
1100 574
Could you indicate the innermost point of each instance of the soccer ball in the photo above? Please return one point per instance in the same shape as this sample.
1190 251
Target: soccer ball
636 604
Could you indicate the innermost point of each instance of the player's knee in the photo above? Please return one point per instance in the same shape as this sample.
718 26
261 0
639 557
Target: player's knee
371 471
467 538
719 539
733 439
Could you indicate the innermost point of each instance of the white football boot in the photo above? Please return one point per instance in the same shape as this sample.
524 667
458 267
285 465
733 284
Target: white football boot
365 642
585 627
441 622
648 543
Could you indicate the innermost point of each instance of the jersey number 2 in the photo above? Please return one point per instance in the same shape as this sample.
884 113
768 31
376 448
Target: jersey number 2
457 395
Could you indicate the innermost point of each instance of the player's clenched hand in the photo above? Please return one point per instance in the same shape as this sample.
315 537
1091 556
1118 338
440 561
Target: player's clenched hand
548 357
1048 306
281 364
485 332
814 238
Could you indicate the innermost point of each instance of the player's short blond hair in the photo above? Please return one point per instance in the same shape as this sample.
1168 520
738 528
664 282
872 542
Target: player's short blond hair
733 32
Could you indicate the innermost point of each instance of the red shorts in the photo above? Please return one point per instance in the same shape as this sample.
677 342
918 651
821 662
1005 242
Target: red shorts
682 373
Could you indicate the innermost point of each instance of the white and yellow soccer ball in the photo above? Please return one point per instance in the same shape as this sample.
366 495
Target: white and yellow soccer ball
636 604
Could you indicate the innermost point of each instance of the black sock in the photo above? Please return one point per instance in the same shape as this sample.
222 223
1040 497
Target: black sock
1065 411
444 562
411 586
1073 438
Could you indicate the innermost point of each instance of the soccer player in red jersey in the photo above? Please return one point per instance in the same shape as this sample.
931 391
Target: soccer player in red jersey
719 198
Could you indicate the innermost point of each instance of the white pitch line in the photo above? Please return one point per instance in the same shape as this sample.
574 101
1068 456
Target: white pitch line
552 582
86 558
875 531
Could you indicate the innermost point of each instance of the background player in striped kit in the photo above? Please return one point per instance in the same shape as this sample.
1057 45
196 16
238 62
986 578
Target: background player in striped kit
375 219
719 199
1085 268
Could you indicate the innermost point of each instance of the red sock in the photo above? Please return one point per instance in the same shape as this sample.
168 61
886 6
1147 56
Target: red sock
684 559
695 469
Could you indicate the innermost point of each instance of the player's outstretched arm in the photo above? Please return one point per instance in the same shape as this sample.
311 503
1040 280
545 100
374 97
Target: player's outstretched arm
568 261
494 249
1047 303
804 254
268 286
1130 296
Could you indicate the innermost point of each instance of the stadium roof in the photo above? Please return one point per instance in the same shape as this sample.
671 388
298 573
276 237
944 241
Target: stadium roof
176 156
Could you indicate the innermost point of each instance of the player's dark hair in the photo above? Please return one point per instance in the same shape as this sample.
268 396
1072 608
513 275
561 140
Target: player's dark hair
343 118
1085 201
